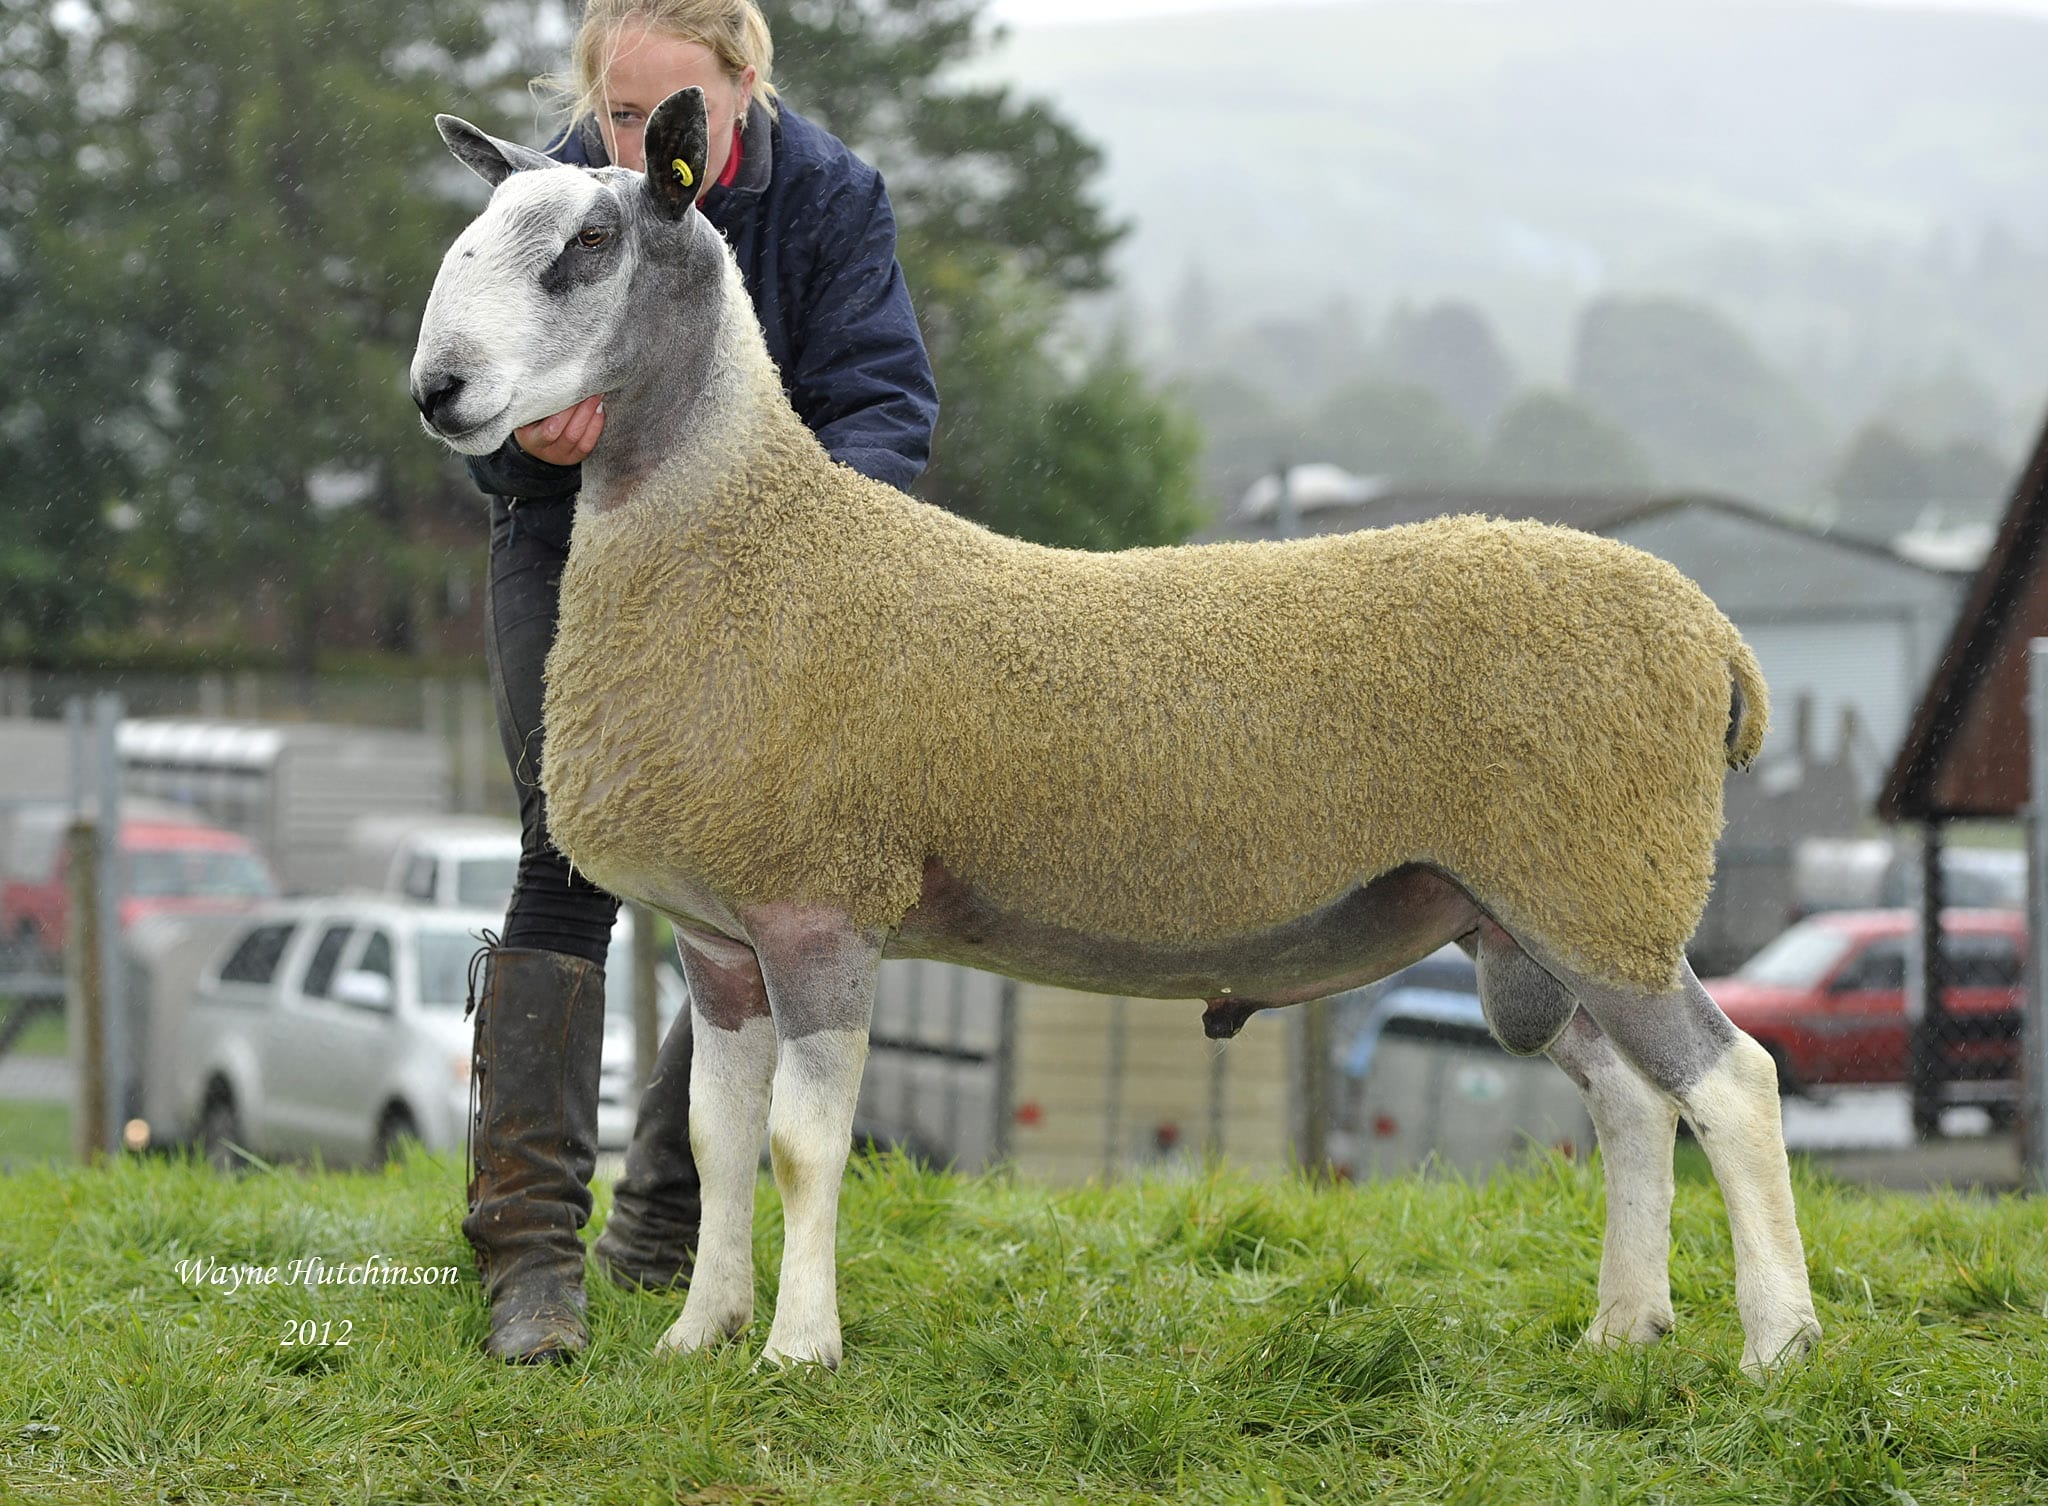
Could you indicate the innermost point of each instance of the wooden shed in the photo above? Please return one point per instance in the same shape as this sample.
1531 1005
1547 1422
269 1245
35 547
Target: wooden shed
1966 752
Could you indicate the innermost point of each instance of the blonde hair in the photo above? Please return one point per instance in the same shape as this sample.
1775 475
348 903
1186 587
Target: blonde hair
733 31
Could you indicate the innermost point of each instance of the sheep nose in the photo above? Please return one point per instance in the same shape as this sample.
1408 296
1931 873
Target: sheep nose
439 390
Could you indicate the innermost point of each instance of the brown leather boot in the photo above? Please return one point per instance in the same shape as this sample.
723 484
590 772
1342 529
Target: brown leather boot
533 1145
650 1239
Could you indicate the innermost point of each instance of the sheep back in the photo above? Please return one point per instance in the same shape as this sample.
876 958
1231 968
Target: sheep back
820 684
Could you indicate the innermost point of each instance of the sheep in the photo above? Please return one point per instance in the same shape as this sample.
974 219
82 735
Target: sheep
818 723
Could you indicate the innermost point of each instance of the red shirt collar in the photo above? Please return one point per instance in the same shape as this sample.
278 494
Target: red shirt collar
732 162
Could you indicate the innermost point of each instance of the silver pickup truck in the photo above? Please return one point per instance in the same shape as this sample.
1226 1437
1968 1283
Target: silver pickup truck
334 1027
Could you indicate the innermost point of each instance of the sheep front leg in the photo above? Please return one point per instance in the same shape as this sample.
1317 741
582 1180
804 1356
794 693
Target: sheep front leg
821 973
733 1057
1637 1126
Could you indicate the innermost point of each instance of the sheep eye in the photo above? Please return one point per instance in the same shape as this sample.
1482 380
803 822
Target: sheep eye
591 239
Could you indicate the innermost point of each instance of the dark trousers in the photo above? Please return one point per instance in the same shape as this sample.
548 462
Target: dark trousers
553 908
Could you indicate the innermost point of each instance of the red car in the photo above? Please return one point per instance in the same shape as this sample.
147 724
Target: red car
169 867
1827 999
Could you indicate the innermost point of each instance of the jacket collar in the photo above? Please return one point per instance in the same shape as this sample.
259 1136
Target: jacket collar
757 156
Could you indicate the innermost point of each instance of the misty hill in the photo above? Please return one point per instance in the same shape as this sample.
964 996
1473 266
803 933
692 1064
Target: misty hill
1864 192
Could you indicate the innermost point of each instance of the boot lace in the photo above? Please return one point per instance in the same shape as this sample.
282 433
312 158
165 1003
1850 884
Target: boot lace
476 1063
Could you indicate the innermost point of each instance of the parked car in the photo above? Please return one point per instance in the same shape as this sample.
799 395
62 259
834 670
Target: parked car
1827 999
169 866
334 1026
1422 1082
461 861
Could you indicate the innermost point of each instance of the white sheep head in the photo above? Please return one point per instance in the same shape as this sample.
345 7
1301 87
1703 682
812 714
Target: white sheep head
535 305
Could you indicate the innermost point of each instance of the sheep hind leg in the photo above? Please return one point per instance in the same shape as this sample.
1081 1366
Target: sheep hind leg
1636 1126
1727 1087
1530 1011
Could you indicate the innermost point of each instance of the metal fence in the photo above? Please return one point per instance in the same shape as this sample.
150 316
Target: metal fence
77 979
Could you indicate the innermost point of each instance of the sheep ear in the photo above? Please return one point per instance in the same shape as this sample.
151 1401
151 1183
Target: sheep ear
678 142
489 158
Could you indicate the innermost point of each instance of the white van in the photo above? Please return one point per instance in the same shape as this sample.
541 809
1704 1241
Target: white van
464 862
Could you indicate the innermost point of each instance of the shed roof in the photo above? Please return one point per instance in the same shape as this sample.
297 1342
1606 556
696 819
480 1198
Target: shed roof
1965 754
1384 506
1387 506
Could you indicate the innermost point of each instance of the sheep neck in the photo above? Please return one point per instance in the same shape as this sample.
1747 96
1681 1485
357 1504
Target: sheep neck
698 398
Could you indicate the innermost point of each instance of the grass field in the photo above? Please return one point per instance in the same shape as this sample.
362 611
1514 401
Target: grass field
45 1035
1211 1340
33 1131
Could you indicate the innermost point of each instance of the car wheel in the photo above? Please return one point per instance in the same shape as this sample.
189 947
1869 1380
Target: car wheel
29 954
395 1130
1926 1116
220 1134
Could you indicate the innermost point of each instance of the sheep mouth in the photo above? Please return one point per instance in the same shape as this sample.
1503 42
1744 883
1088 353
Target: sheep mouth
456 438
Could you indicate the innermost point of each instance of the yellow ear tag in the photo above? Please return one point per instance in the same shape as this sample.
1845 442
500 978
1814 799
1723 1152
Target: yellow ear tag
683 171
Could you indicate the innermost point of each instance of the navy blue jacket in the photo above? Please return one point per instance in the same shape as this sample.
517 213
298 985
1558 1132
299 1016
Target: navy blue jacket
815 238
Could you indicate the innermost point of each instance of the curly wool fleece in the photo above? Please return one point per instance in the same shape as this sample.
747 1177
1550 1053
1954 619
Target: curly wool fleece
793 683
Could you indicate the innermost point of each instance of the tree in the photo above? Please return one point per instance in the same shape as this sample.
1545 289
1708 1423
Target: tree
223 217
1969 478
1450 349
264 175
215 240
1549 441
1882 467
975 172
996 228
1886 484
1695 393
1244 436
1390 429
74 420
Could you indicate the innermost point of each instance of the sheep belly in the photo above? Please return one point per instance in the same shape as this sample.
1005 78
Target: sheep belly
1376 929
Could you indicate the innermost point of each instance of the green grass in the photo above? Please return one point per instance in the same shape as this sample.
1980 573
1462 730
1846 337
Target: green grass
45 1035
1214 1340
32 1131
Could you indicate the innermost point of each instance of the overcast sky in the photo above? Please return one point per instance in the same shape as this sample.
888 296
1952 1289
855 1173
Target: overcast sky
1052 12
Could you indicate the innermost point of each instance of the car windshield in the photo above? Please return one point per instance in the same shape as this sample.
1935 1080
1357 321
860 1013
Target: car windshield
1800 958
195 873
485 883
444 968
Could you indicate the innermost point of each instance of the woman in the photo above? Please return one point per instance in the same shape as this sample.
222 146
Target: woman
815 239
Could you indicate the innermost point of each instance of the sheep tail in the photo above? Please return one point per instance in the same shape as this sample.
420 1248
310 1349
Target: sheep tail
1749 708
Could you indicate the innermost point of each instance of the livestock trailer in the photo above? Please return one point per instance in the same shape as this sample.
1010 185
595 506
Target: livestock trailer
969 1069
295 788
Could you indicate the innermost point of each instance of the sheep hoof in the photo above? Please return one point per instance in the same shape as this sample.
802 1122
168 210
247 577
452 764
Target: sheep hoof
823 1350
1613 1328
1760 1363
1225 1017
688 1335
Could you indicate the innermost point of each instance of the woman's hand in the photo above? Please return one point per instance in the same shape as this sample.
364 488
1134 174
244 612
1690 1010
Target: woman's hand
564 438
